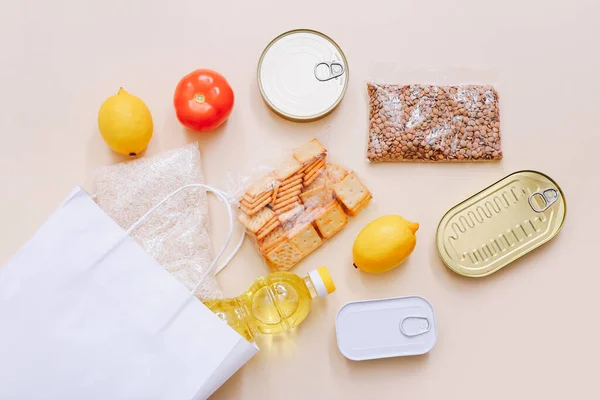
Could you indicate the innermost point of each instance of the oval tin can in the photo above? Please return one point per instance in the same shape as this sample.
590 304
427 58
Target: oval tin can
496 226
302 75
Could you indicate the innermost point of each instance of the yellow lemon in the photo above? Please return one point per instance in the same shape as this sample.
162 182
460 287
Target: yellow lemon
384 243
125 123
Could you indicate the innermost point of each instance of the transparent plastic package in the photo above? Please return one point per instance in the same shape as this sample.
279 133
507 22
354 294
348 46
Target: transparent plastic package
432 122
293 207
176 235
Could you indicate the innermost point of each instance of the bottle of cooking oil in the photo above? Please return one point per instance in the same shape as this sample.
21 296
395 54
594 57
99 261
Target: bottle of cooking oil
274 303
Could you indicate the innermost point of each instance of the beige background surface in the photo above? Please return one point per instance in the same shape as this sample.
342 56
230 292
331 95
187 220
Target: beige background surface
529 331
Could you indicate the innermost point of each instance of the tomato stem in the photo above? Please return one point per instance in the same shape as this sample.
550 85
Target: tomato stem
199 98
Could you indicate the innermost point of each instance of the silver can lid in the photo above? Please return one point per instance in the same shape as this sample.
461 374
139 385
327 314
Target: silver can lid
302 75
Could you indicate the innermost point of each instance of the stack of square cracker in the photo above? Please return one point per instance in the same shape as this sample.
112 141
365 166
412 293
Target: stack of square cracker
301 203
352 194
258 195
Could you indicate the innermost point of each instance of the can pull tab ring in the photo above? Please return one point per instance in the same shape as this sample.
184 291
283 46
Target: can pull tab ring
335 70
419 325
547 197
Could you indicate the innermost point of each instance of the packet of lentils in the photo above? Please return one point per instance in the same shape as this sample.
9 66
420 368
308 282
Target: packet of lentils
433 123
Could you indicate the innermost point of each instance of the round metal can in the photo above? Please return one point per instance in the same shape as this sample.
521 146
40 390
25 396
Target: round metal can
302 75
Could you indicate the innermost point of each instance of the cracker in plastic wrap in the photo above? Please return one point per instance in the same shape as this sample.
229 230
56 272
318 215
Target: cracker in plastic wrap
311 200
176 234
331 220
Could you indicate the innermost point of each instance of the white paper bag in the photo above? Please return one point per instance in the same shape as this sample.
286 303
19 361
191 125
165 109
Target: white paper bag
86 313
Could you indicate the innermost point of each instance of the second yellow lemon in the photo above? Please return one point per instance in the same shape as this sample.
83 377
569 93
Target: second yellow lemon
384 244
125 123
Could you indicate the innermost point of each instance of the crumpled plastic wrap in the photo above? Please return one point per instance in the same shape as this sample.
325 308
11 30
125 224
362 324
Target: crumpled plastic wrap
176 234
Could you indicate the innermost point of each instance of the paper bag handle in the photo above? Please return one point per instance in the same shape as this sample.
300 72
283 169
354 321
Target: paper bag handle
225 198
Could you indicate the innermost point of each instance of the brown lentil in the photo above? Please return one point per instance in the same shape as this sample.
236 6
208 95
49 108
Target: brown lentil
433 123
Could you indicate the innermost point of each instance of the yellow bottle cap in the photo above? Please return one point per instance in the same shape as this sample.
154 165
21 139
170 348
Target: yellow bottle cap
322 281
327 280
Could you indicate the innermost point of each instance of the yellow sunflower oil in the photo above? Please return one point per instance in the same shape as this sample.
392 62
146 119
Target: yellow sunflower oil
274 303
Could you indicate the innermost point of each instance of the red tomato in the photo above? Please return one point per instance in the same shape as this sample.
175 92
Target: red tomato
203 100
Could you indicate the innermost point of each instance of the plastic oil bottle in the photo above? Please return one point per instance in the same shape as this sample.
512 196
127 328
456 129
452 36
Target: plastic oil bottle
274 303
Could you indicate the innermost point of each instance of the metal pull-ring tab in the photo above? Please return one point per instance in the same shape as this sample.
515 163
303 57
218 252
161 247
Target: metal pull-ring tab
548 196
335 70
423 327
